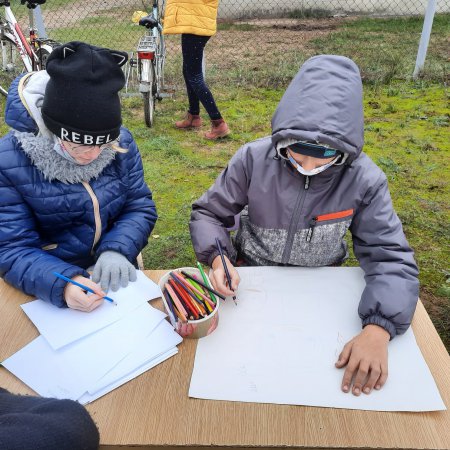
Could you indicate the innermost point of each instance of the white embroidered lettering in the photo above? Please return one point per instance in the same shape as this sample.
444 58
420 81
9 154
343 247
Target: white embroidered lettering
64 134
88 140
76 138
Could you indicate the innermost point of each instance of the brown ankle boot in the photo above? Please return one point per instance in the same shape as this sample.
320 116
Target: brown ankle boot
219 129
190 121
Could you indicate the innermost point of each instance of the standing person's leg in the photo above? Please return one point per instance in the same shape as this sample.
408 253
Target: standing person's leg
192 119
193 48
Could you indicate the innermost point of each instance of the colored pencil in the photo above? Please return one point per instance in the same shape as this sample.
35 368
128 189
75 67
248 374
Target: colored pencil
184 299
203 296
206 281
192 297
177 302
198 301
170 305
210 289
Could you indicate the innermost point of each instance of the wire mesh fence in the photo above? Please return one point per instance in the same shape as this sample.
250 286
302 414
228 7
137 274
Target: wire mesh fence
264 42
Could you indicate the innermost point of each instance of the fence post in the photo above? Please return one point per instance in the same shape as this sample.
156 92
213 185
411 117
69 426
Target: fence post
425 37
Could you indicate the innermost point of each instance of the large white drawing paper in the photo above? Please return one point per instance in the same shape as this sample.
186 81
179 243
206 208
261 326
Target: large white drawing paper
67 372
61 326
280 343
88 398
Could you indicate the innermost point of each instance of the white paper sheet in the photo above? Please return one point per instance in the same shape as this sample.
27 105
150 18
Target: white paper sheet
280 343
160 341
88 398
61 326
70 370
97 354
39 367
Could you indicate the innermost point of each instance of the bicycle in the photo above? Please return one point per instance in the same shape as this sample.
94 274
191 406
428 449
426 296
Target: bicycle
17 53
150 58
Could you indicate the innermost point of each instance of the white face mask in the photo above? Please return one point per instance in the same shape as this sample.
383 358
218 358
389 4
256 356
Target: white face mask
310 173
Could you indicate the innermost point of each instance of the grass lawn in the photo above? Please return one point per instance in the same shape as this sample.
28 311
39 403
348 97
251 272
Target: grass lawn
406 134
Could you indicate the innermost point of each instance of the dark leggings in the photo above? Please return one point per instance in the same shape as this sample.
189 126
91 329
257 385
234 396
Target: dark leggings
197 90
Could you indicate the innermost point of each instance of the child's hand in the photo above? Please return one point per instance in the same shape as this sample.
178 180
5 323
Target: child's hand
366 357
219 279
76 298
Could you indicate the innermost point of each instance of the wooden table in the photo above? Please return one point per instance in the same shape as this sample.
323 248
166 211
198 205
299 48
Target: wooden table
154 410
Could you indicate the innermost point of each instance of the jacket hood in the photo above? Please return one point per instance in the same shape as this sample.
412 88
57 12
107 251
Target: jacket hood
24 102
322 104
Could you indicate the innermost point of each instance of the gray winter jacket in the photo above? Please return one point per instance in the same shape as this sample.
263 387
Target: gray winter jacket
289 219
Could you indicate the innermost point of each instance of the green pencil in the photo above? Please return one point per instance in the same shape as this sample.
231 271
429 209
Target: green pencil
206 281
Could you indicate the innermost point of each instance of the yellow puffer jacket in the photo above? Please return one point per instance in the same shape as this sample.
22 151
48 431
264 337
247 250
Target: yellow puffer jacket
191 17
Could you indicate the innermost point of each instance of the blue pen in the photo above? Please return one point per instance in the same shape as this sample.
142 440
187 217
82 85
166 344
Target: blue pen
82 286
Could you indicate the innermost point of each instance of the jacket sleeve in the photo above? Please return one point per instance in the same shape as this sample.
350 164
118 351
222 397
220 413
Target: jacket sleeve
45 424
215 211
131 229
22 261
392 288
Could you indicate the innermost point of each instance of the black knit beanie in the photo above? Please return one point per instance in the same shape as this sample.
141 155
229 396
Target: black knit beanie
81 101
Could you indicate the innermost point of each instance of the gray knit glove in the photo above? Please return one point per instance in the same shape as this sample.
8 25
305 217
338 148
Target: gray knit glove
113 270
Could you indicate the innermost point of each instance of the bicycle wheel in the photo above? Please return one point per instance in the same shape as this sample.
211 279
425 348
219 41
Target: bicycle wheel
11 64
43 54
149 108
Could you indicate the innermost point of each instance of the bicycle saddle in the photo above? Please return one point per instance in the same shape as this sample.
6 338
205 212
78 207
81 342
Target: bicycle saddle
148 22
32 3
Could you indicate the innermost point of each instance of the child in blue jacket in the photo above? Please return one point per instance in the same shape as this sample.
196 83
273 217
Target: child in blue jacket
72 187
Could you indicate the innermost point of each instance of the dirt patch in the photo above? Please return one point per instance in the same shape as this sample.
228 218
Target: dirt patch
70 14
327 23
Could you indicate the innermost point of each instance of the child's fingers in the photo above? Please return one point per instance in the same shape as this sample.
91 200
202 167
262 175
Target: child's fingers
383 377
344 356
235 279
85 303
94 286
219 282
350 371
375 372
77 299
361 377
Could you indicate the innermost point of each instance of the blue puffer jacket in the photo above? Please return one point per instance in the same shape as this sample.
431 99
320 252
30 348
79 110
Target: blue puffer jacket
52 226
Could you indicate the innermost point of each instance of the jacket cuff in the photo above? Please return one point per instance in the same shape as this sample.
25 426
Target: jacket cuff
376 319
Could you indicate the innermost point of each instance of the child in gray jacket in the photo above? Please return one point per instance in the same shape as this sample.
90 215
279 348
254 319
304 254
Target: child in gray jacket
298 192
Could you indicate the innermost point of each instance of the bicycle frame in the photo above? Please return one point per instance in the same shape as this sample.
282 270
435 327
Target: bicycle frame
11 29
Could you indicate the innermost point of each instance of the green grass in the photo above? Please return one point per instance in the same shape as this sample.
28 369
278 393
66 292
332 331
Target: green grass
309 13
386 49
